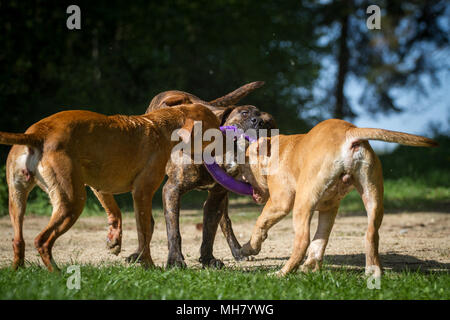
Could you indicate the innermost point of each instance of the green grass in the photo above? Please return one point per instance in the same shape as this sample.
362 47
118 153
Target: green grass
119 282
405 194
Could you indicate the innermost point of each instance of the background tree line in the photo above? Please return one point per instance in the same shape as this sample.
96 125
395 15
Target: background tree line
127 52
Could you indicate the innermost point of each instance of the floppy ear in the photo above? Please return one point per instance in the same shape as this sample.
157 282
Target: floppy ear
186 131
223 114
269 121
176 99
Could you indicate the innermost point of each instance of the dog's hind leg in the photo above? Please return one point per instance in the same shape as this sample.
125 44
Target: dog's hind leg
20 182
227 230
370 186
67 195
317 247
114 237
18 195
213 210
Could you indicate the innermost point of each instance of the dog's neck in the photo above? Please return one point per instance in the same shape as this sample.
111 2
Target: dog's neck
255 169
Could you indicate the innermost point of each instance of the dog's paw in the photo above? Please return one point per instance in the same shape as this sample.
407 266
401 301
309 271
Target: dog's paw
134 258
216 264
212 263
114 246
241 257
311 265
238 256
247 250
276 274
373 271
18 264
146 262
176 263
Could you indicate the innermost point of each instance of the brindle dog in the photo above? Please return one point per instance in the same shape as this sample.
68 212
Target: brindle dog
184 178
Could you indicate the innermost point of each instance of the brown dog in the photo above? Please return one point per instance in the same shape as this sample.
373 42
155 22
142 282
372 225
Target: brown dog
314 171
111 154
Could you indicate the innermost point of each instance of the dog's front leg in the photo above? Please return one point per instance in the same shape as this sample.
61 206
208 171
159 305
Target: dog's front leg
144 224
301 215
144 188
273 212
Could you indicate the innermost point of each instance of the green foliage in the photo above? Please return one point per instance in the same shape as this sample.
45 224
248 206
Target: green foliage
127 52
119 282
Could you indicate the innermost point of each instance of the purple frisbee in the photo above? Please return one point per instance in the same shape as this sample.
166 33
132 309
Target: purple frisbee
223 178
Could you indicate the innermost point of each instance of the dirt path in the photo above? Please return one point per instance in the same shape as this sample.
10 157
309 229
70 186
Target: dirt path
413 240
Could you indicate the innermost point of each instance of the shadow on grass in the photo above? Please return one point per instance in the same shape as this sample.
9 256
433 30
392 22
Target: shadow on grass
391 261
360 213
418 205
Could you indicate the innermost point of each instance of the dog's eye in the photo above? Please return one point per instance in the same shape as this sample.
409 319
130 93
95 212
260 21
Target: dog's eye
244 113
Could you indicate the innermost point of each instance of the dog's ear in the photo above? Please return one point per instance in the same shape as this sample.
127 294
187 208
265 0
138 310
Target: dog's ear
176 99
269 121
186 131
223 114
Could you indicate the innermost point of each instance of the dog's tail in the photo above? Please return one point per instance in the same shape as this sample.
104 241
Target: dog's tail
391 136
238 94
20 138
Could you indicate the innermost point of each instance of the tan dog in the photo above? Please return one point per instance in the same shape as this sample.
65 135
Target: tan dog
111 154
314 171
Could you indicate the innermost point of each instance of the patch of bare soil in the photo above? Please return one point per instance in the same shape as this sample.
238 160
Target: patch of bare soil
407 241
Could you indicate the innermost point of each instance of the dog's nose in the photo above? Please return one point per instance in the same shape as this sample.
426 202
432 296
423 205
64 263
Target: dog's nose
258 123
254 120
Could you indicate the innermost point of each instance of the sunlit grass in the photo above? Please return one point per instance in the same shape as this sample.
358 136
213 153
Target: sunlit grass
134 282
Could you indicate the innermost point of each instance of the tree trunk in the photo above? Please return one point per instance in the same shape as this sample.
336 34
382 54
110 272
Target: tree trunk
343 56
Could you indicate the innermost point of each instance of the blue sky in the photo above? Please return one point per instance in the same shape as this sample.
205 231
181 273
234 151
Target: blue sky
419 112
